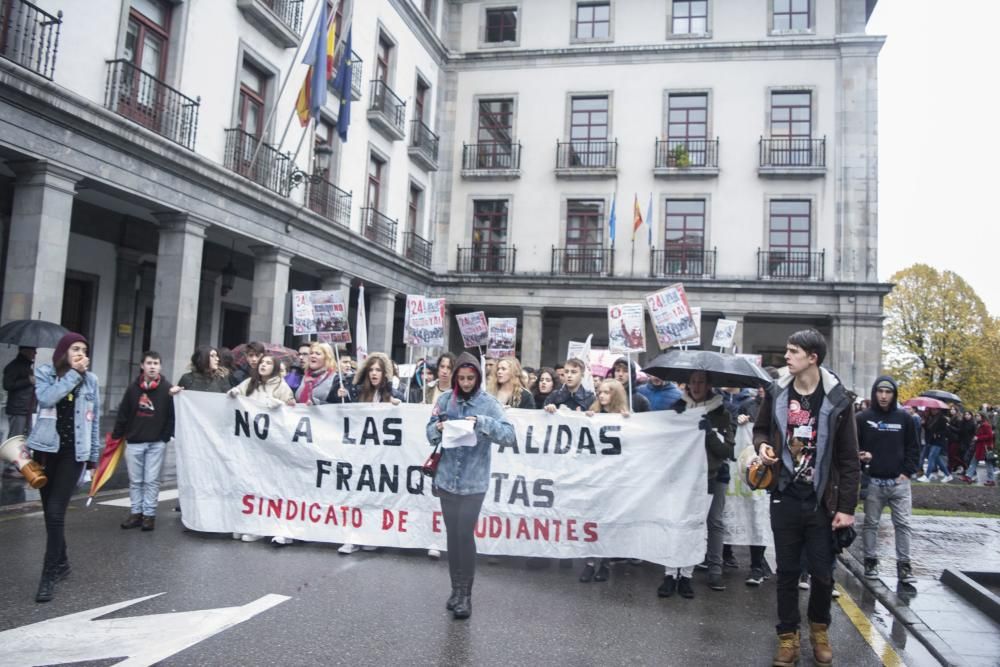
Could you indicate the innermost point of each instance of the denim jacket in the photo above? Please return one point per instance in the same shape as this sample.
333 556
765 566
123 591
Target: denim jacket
466 470
50 389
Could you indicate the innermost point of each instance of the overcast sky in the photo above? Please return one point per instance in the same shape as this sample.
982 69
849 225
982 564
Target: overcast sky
939 139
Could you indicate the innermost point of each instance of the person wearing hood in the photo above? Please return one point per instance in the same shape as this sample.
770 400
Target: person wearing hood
889 446
463 473
720 439
623 371
661 394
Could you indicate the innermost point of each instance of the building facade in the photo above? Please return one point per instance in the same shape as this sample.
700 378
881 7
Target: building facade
157 191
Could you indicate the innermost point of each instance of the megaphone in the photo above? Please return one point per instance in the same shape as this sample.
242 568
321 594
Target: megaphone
14 450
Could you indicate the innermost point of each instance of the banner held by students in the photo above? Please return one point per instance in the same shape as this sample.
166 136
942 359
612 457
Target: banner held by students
671 316
572 487
423 325
502 337
626 328
474 328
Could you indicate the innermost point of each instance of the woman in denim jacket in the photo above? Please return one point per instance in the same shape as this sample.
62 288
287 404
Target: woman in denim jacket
463 473
65 439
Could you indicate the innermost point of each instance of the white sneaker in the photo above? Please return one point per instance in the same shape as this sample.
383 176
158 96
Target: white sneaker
369 548
434 553
251 538
804 582
922 478
281 541
946 479
835 593
347 548
237 536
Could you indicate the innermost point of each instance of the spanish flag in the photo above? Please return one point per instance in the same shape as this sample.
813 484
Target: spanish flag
112 454
320 58
638 217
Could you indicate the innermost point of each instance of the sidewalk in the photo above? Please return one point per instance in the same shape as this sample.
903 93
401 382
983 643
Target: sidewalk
951 628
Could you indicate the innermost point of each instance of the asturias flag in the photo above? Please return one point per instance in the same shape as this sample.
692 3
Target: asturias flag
319 57
638 217
611 224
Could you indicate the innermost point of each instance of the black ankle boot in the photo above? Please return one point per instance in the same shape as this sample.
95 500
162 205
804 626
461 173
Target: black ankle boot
46 585
463 606
62 570
453 599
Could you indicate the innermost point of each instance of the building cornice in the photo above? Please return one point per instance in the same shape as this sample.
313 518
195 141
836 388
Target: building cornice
422 29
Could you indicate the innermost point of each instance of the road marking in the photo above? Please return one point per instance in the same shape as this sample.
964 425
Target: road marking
169 494
883 649
143 640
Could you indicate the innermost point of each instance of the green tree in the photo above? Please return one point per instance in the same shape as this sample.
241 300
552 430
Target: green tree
939 335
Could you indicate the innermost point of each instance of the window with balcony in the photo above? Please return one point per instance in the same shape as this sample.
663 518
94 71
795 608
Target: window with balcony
494 147
383 59
791 16
420 97
789 252
584 251
373 191
147 36
791 142
689 17
324 197
588 133
684 238
489 251
593 21
415 246
500 25
687 131
253 92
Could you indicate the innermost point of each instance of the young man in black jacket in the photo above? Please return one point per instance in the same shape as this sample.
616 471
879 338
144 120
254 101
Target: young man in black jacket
146 421
19 383
889 445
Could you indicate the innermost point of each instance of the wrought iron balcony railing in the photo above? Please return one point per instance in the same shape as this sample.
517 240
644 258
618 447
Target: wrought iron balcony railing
423 137
687 153
682 262
270 168
486 259
389 105
143 98
418 249
792 153
491 155
330 202
378 228
29 36
289 11
590 260
586 155
801 265
357 67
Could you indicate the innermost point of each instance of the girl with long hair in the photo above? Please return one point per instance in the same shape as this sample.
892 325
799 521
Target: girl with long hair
205 373
548 382
507 385
320 378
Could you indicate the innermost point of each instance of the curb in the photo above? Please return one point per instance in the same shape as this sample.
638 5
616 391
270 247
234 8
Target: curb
902 612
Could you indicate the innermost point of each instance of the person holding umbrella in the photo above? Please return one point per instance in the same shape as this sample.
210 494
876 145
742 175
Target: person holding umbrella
65 438
19 383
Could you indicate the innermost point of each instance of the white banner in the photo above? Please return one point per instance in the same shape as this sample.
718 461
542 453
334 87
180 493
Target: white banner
747 517
574 486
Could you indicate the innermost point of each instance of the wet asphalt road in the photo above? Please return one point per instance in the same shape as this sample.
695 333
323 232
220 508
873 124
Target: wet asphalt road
388 607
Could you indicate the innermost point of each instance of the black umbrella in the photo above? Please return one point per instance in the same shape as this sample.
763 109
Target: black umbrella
724 370
941 395
32 333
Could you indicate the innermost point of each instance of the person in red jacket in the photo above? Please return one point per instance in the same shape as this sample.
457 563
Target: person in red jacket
983 444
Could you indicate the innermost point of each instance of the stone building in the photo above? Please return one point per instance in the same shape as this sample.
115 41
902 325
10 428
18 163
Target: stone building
155 190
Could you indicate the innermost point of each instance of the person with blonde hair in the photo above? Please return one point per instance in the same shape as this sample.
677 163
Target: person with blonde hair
507 387
320 373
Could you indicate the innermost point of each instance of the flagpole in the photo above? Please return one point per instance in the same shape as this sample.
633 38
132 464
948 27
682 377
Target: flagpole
632 264
277 98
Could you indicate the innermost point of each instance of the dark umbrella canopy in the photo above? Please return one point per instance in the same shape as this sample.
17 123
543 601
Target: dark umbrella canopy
941 395
32 333
724 370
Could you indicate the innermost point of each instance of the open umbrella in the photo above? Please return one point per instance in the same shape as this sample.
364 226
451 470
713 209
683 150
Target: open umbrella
32 333
941 395
279 352
112 454
724 370
926 402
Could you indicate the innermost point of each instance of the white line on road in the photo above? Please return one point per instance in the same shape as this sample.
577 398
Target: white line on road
170 494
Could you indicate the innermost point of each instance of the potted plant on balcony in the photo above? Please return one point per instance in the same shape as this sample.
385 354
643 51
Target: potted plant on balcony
679 157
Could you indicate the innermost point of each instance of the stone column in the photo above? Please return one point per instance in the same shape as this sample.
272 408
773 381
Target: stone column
270 285
39 241
208 305
531 337
331 281
178 282
381 318
125 325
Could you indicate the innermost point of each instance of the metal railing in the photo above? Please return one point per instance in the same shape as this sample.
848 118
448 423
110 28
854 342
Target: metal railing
487 259
153 104
587 155
418 249
388 103
685 153
791 152
29 36
289 11
583 260
378 228
270 169
356 69
330 202
794 264
682 262
423 137
491 155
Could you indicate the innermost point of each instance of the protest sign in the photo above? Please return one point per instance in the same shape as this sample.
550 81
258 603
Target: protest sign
424 321
502 337
725 332
302 314
571 487
671 316
626 328
475 330
321 312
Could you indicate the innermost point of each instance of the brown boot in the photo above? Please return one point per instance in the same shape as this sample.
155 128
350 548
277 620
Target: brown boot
133 521
148 523
822 653
787 654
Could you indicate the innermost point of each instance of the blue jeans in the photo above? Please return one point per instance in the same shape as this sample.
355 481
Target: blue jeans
990 472
937 461
144 461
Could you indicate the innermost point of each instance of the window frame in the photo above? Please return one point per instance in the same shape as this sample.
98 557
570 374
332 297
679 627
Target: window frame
269 73
477 102
811 19
487 8
600 217
381 180
146 24
689 35
476 245
704 221
249 96
574 37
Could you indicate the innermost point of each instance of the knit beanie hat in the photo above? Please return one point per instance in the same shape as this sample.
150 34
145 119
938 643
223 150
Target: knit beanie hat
62 347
